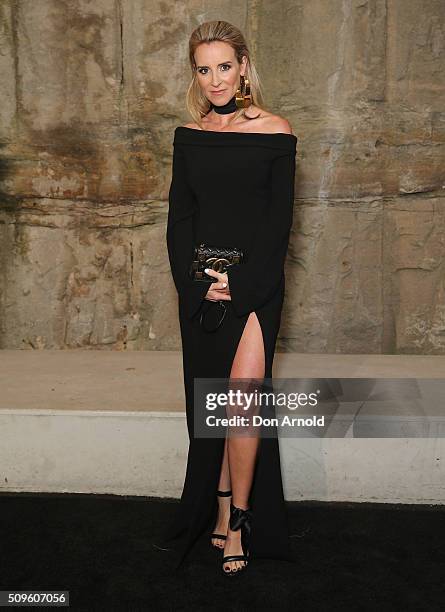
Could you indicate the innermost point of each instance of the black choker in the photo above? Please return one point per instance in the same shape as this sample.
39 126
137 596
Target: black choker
225 109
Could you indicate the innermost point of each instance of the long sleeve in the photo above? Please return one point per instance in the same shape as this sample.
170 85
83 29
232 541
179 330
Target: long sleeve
254 282
180 236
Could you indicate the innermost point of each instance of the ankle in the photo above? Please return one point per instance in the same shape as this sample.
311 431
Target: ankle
234 535
242 504
224 503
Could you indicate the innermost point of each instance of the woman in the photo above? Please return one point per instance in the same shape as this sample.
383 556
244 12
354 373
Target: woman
232 184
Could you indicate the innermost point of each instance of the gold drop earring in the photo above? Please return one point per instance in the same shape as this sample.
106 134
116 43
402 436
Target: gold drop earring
242 96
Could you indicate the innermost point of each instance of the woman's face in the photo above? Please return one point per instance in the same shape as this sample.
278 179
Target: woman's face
218 71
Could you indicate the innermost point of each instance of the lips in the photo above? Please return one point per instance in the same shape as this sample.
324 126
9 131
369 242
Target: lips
219 91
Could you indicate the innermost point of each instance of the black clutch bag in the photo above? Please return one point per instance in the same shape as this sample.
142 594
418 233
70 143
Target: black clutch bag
214 257
219 259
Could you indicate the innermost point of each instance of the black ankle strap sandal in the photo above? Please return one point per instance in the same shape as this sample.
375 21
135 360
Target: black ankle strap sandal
220 536
239 519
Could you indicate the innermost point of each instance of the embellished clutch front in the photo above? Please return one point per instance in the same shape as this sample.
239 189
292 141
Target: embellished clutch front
215 257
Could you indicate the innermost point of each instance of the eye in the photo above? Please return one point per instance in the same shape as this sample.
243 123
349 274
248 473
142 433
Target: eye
224 68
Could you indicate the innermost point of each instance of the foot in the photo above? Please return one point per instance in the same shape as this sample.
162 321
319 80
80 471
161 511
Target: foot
222 521
233 547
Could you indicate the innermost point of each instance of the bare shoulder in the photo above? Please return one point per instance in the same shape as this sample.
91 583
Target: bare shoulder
276 123
270 124
193 126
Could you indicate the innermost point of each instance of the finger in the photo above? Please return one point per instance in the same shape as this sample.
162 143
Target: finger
218 284
218 295
211 272
215 297
220 276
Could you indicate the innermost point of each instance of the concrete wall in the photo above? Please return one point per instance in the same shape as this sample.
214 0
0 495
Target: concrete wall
134 453
91 93
113 422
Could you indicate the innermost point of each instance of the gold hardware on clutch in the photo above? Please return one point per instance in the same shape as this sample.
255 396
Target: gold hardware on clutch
214 257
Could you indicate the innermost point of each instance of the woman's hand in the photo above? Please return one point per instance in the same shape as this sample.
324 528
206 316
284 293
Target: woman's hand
219 290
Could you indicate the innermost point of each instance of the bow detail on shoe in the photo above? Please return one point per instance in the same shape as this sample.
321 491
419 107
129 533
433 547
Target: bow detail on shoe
240 518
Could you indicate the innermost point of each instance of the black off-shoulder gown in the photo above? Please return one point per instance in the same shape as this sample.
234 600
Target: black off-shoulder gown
230 188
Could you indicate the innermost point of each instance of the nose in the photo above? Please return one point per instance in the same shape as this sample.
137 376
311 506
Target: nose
215 81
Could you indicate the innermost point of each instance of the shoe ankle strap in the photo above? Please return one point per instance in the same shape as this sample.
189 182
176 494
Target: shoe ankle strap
224 493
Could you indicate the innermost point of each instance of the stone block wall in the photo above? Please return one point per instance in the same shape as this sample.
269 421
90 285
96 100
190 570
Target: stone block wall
91 93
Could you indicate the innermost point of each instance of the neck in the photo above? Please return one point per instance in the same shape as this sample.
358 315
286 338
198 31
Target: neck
225 109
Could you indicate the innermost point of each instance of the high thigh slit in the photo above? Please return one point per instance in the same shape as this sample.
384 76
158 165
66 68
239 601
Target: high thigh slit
257 200
263 351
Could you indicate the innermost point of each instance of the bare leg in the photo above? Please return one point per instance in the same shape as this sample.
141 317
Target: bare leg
249 362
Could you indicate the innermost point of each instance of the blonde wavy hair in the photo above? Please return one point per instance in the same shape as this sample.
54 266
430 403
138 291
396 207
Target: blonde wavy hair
196 102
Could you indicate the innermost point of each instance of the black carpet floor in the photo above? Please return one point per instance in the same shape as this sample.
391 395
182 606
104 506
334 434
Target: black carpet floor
100 548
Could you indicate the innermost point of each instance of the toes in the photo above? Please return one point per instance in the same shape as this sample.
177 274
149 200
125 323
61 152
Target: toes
217 543
230 568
